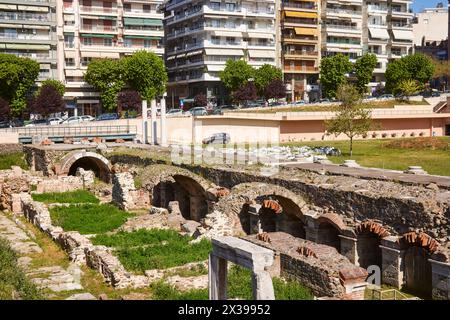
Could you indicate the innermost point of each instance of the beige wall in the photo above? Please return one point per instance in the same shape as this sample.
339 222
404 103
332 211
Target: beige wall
9 137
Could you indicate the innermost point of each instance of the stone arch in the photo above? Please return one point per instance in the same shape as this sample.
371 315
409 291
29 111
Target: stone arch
418 248
369 234
192 192
330 226
88 161
245 197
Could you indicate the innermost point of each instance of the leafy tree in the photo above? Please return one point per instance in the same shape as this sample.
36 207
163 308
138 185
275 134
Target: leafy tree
105 75
129 100
236 74
332 73
201 100
441 71
17 77
146 73
408 88
351 118
364 67
264 76
416 67
58 85
5 110
247 92
276 89
48 101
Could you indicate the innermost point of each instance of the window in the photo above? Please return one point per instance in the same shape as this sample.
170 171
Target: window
147 8
215 40
85 61
107 42
68 41
231 40
127 7
230 6
215 5
147 43
215 23
128 43
87 41
231 24
70 62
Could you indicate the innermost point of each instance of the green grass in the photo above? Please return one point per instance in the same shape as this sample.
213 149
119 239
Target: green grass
154 249
165 291
89 218
77 196
13 159
390 154
13 282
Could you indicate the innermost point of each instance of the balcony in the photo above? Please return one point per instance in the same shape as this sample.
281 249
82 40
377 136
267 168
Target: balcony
98 28
299 5
342 28
297 39
184 15
377 9
300 69
27 17
301 22
301 54
26 38
98 10
334 12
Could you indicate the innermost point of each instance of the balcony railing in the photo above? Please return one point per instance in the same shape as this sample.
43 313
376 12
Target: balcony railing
342 27
301 68
92 9
25 37
343 11
343 41
301 53
303 21
286 4
99 28
24 16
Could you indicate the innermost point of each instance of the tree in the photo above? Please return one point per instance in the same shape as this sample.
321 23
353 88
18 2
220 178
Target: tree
129 100
333 72
416 67
106 76
5 110
17 77
441 71
247 92
236 74
351 118
264 76
48 101
201 100
58 85
364 67
276 89
146 73
408 88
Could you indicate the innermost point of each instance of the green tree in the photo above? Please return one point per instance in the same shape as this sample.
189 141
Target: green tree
236 74
17 77
416 67
264 76
441 71
351 118
58 85
105 75
408 88
146 73
332 73
364 67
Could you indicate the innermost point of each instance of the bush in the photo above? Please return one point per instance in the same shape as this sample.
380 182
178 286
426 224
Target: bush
12 159
77 196
89 218
421 134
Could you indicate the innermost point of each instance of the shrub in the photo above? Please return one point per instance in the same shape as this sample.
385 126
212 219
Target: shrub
12 159
374 135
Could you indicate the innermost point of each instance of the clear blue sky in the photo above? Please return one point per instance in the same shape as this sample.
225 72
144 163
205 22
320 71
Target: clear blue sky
418 5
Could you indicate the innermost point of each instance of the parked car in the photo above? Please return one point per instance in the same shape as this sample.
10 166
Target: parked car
36 123
220 109
108 116
221 138
54 121
386 96
197 111
87 118
5 124
73 120
174 112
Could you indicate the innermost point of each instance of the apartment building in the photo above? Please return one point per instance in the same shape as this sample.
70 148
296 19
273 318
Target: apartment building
28 29
89 29
300 47
201 35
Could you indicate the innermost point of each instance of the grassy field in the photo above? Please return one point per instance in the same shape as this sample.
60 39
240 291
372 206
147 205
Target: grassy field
13 283
313 108
89 218
12 159
77 196
154 249
432 154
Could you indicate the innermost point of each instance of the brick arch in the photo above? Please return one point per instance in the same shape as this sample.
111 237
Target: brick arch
370 226
418 239
88 160
333 219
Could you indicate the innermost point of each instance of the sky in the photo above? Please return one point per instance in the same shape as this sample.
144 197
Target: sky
419 5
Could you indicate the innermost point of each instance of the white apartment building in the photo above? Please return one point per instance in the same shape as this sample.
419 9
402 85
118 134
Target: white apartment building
28 29
89 29
430 25
201 35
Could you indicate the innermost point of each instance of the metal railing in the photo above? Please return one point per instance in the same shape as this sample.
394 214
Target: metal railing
72 131
390 294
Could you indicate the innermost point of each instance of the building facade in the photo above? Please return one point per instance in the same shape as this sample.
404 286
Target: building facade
300 48
201 35
28 29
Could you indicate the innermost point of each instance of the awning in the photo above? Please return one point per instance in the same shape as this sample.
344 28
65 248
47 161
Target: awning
228 33
224 52
260 35
69 54
306 31
88 101
45 66
170 58
403 34
142 22
216 67
261 54
32 8
74 73
181 55
27 46
69 17
378 33
8 6
96 35
142 37
193 53
97 54
298 14
28 26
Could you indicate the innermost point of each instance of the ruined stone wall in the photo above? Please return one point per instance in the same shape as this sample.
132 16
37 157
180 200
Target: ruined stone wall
10 148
